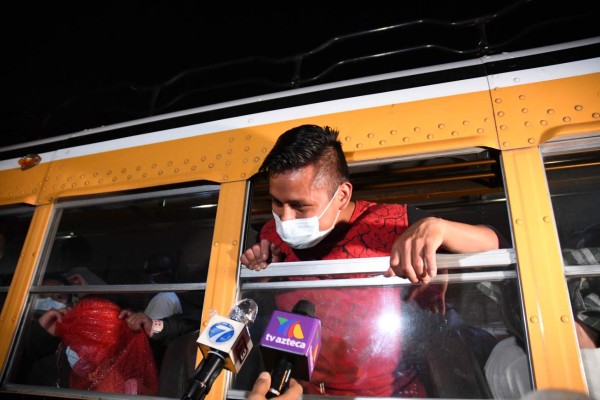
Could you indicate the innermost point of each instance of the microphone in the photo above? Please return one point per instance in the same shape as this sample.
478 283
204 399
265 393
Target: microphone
291 343
225 343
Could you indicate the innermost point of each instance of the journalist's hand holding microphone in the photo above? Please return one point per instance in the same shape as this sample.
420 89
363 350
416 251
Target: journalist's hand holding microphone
263 383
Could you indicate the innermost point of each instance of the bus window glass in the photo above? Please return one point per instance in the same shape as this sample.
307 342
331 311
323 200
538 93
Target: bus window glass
398 340
378 329
573 174
14 224
127 277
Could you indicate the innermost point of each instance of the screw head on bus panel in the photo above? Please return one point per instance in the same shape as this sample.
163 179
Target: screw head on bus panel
29 161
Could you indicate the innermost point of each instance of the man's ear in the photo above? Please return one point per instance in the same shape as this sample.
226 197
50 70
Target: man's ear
345 194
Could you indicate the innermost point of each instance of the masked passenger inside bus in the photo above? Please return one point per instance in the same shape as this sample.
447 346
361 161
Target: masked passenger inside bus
315 218
77 341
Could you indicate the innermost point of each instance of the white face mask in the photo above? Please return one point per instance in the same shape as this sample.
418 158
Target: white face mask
48 303
302 233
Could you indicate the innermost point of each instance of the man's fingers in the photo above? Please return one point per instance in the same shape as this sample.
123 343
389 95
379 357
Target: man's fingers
293 392
261 386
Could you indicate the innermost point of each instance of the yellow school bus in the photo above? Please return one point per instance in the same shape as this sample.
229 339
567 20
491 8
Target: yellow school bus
165 205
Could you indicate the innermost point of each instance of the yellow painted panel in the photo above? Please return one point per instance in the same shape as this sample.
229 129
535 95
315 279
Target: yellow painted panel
17 186
19 287
437 124
553 343
534 113
224 260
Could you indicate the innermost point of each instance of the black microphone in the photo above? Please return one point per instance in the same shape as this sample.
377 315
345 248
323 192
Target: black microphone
225 343
291 344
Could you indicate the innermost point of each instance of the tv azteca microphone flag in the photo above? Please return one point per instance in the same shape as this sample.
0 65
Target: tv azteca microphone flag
297 335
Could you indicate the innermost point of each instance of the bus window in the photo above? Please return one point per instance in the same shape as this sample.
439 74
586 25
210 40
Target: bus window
573 173
14 224
386 336
146 253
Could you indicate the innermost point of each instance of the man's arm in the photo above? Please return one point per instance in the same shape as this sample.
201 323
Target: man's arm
413 254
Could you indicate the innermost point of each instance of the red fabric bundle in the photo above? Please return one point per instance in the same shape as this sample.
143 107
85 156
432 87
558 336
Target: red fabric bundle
112 357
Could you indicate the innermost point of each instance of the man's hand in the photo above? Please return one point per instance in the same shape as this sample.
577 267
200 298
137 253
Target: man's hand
137 321
413 253
260 255
263 383
50 318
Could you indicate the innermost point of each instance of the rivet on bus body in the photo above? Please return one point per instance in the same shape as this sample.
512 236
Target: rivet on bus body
465 122
256 159
519 221
246 148
205 324
211 165
503 127
479 130
218 156
358 145
550 111
160 172
73 185
129 177
153 165
405 139
564 318
382 142
235 242
226 177
500 113
170 163
516 79
138 168
416 129
522 97
531 140
430 136
566 119
231 140
505 144
14 319
250 120
176 170
203 158
229 151
534 320
216 244
498 100
393 132
543 122
144 175
245 160
578 108
441 126
242 176
348 138
454 133
547 219
370 135
524 110
227 163
596 115
527 123
248 137
123 170
114 179
193 168
186 161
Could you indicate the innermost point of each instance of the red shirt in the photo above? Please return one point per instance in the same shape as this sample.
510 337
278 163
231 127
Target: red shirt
361 327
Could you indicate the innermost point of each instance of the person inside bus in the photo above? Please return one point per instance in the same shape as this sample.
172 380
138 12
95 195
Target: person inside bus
507 368
84 345
315 218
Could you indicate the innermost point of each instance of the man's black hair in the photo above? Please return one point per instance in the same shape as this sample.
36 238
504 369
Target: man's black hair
305 145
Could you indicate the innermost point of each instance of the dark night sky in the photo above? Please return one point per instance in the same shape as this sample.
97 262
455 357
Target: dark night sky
57 55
